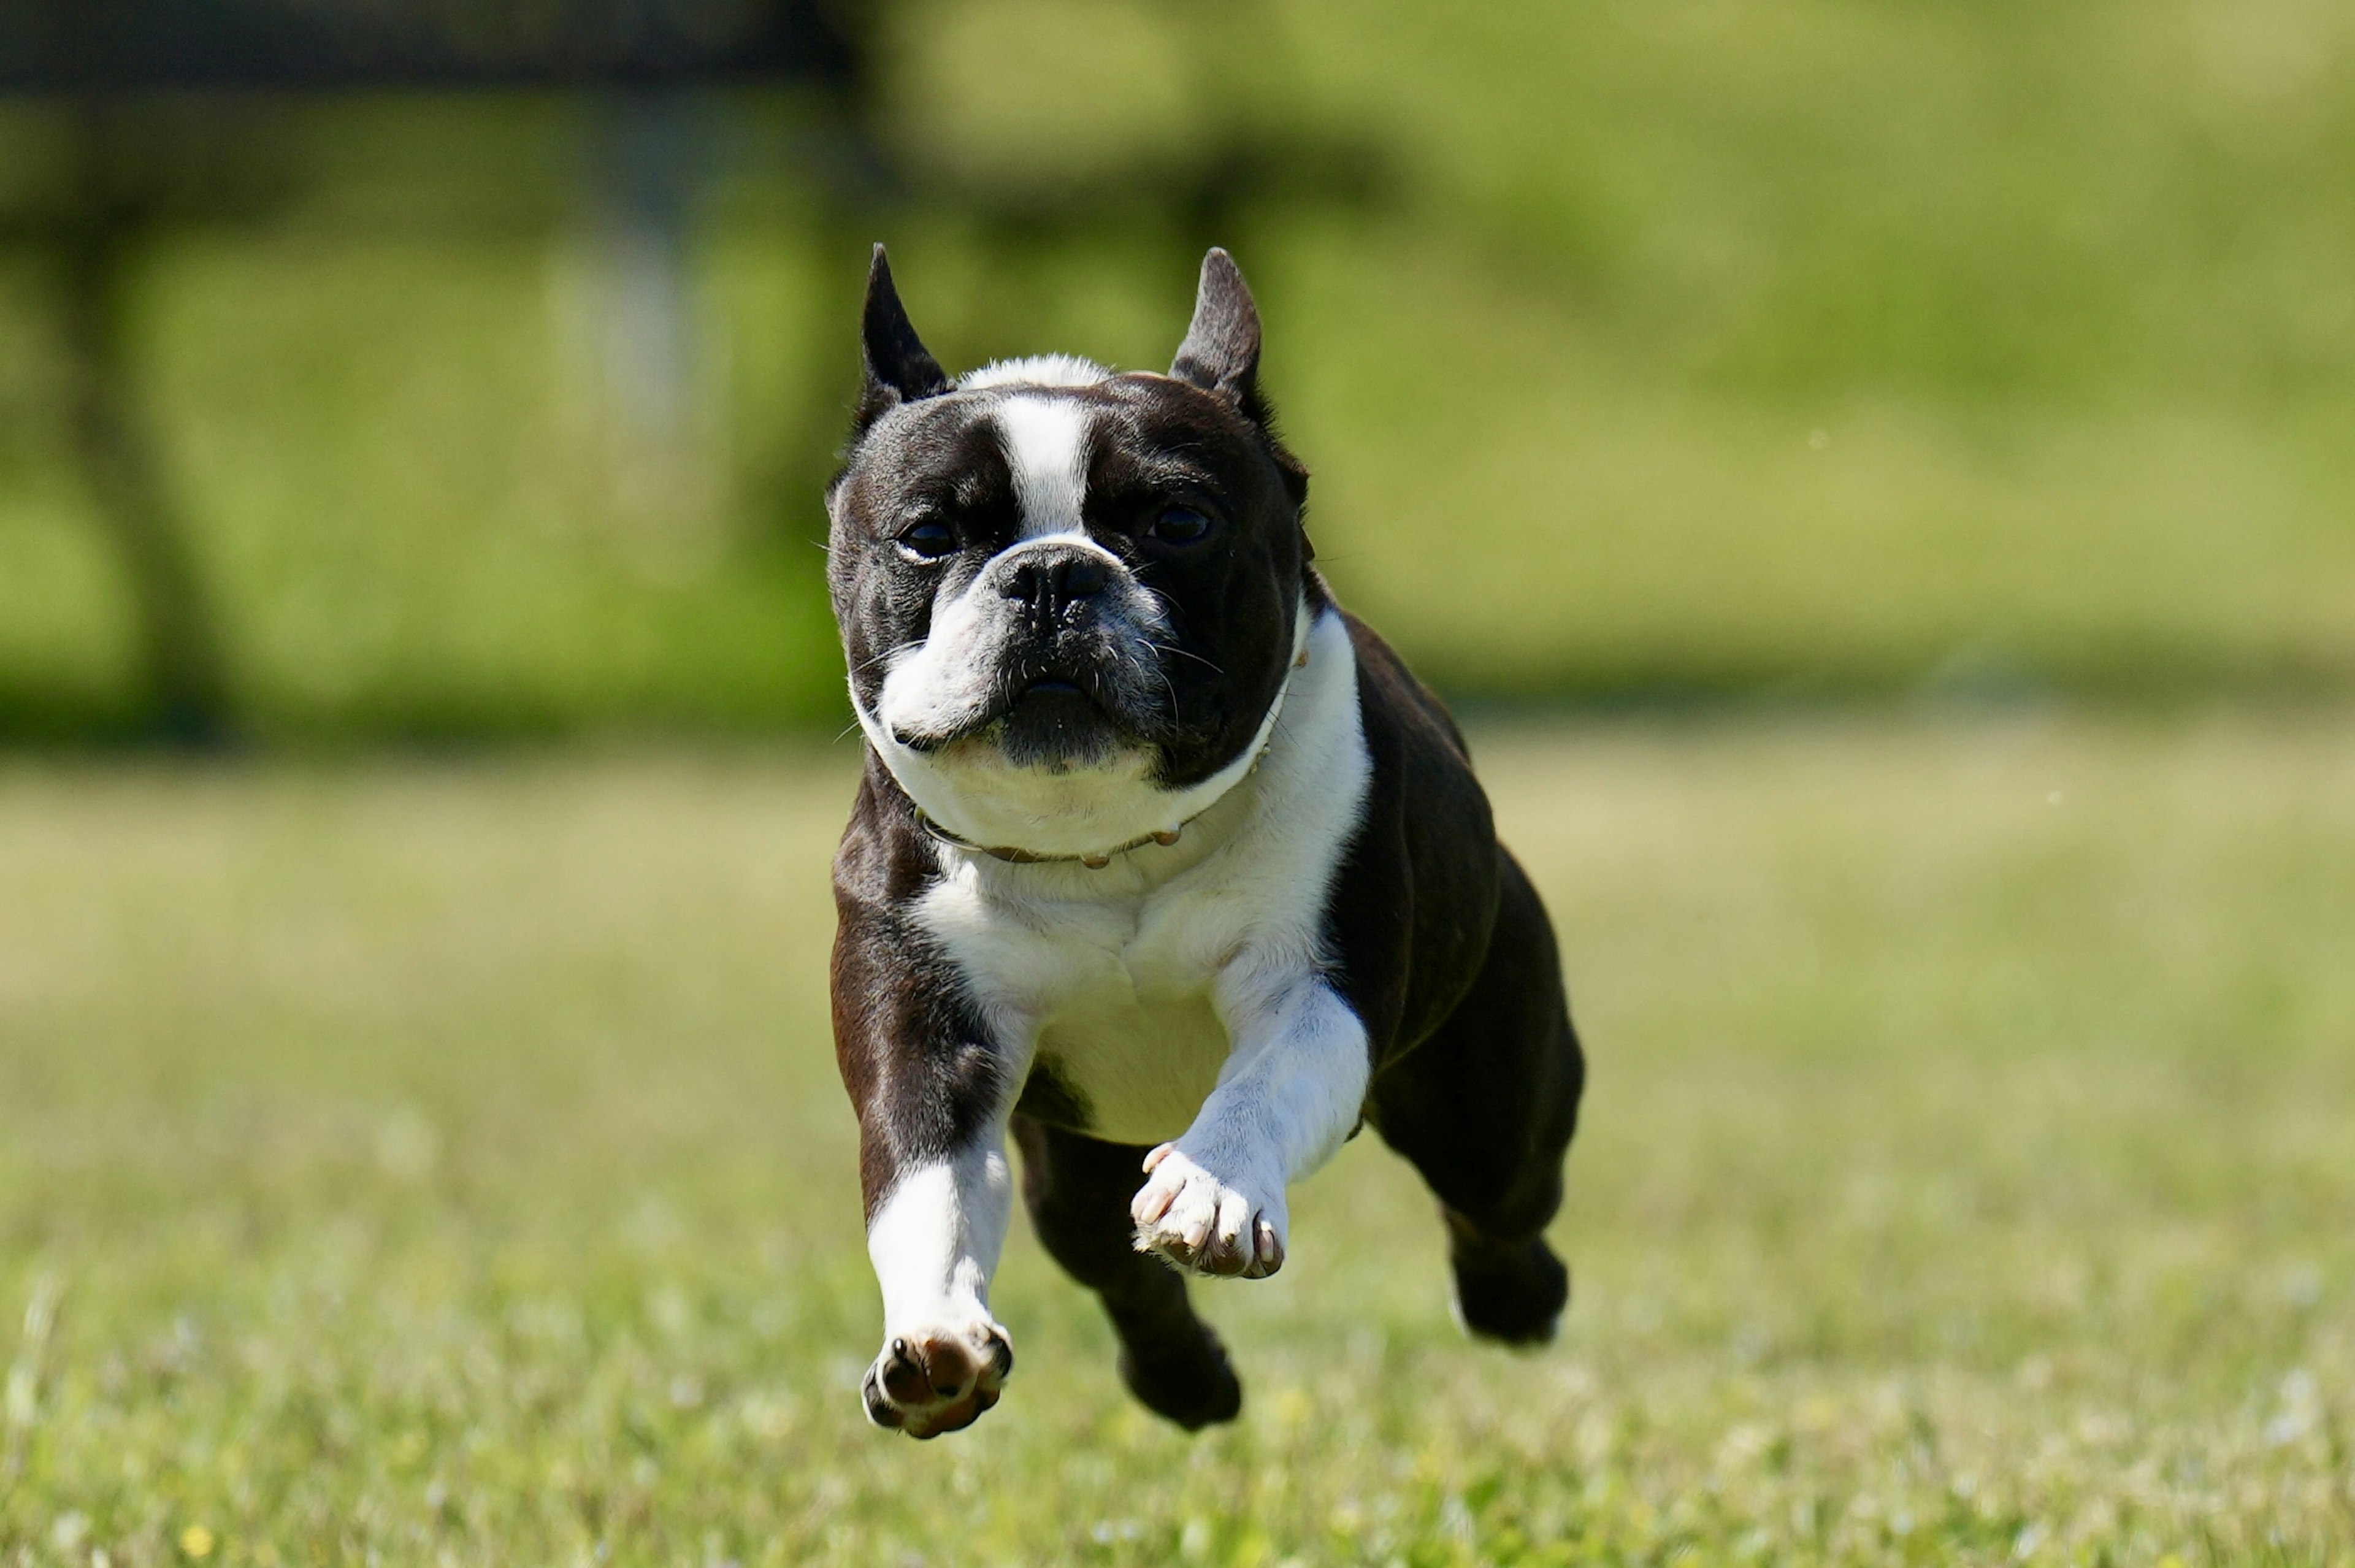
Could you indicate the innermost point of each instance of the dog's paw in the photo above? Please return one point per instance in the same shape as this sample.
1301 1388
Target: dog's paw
938 1380
1512 1293
1184 1377
1231 1227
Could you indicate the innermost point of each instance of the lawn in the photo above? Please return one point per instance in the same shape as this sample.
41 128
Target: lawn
440 1161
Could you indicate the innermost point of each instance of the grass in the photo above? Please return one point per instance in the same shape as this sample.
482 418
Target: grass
442 1162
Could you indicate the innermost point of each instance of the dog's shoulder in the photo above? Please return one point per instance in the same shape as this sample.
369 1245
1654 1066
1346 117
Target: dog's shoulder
1415 896
883 860
1399 708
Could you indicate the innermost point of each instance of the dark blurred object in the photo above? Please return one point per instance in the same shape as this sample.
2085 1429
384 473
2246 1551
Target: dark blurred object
147 140
121 174
279 46
161 116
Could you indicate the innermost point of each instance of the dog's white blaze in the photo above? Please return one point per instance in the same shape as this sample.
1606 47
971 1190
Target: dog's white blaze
1036 370
936 1238
1180 991
1046 442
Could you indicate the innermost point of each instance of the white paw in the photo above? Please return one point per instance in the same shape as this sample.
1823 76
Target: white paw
1206 1223
938 1380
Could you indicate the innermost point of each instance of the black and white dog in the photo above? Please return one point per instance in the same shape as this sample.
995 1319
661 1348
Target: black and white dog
1161 861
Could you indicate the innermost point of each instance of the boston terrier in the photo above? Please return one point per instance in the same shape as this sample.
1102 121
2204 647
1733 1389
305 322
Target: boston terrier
1163 863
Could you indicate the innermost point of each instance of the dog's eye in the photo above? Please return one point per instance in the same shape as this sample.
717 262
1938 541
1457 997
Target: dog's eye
929 540
1180 525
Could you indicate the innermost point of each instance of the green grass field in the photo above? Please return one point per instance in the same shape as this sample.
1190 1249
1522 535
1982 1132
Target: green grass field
442 1162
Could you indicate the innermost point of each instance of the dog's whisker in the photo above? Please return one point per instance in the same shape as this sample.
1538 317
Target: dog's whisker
870 663
1187 654
1163 676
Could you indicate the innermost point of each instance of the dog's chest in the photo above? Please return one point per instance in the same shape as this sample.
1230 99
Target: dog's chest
1102 983
1112 997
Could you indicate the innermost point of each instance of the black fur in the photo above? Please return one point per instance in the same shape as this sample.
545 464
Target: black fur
1078 1190
1437 940
1232 601
1445 953
913 1052
1221 355
899 367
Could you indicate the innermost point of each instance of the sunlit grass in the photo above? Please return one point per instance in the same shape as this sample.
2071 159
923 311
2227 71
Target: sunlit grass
444 1163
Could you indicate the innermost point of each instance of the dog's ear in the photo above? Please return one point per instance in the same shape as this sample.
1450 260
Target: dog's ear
1221 353
900 369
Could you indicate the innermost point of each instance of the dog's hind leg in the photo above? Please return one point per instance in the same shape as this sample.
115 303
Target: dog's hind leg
1485 1109
1079 1189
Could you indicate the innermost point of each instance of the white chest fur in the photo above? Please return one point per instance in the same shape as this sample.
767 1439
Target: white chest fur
1116 979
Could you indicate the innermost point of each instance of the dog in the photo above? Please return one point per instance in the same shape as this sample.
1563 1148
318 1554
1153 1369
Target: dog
1161 862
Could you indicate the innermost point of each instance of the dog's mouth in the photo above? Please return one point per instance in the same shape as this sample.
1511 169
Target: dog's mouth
1056 719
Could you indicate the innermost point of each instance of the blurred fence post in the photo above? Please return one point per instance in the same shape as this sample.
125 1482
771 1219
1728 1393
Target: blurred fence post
95 250
650 158
175 113
154 95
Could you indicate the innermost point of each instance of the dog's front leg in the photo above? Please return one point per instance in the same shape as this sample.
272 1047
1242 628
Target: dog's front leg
934 1242
1291 1091
933 1085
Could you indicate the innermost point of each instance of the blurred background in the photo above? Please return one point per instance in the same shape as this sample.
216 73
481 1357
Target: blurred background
1877 475
437 370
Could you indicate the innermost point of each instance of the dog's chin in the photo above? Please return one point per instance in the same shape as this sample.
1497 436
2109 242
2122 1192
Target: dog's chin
1051 725
1055 726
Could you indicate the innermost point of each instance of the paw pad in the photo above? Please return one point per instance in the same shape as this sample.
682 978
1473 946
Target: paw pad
941 1380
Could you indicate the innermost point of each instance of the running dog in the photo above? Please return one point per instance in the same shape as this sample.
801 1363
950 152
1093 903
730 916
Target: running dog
1163 863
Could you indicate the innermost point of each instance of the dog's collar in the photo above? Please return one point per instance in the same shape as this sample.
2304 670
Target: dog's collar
1096 860
1013 857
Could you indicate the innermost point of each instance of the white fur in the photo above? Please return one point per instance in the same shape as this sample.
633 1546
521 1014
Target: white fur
1180 991
934 1244
969 788
973 792
927 684
1037 370
1287 1096
1046 442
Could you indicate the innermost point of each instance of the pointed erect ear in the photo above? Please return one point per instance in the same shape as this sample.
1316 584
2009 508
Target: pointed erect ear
1221 353
900 369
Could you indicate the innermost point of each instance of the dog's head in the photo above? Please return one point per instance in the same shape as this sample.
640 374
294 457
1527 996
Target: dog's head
1069 598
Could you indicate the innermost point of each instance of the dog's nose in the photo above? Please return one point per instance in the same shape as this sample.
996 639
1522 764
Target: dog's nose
1048 580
